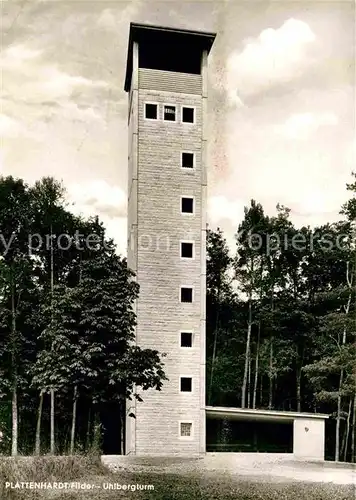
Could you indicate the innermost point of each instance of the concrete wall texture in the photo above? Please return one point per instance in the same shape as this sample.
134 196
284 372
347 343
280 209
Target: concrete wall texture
309 438
156 228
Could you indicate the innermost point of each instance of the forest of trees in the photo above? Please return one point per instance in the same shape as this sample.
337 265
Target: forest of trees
66 324
281 318
281 321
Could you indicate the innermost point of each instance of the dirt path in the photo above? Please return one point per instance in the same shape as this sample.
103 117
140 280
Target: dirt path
271 467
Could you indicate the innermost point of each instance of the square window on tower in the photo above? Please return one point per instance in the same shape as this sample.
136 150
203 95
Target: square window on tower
186 384
187 205
188 114
169 113
187 160
186 294
151 111
186 339
187 250
186 429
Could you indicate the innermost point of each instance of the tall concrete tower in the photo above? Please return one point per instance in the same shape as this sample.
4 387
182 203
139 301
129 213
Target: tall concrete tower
166 81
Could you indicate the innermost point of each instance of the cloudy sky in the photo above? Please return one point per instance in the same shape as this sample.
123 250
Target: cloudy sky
282 101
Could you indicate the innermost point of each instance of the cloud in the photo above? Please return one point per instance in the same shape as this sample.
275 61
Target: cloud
97 197
27 76
110 18
2 163
233 98
48 83
15 55
222 209
116 228
39 90
302 125
73 111
9 127
276 56
57 83
316 206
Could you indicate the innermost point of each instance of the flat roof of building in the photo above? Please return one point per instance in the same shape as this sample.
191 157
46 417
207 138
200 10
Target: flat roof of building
266 415
144 33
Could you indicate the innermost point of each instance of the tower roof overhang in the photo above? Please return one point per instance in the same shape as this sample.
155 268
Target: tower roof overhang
150 34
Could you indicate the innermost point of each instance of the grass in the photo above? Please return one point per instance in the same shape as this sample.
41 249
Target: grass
88 469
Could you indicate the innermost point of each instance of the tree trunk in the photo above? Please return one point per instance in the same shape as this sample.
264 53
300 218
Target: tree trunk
88 440
14 441
261 391
349 280
338 420
212 366
299 373
74 418
347 432
249 383
38 426
97 438
353 432
247 353
14 359
270 398
339 396
299 379
52 445
214 346
122 429
256 367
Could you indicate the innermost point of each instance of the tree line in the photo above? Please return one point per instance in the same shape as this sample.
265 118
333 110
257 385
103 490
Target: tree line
66 324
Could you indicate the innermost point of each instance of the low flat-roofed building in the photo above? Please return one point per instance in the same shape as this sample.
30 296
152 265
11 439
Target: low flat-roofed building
308 429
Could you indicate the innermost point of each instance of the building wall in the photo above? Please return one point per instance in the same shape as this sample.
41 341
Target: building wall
132 227
309 438
185 83
155 228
